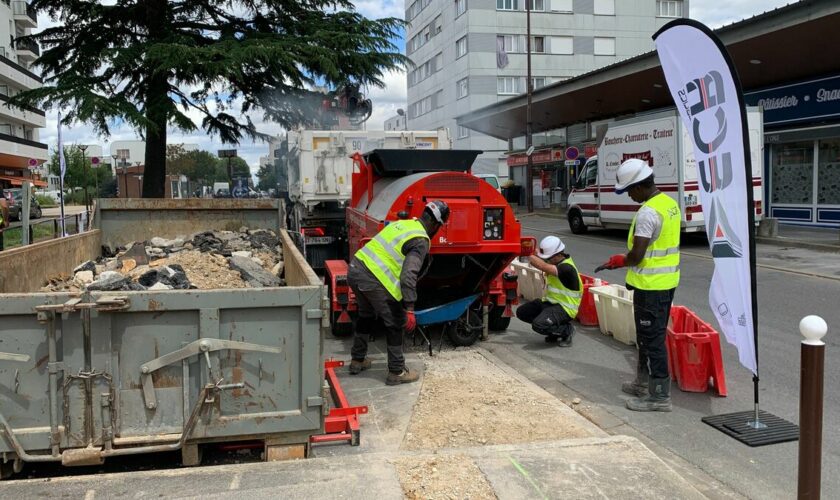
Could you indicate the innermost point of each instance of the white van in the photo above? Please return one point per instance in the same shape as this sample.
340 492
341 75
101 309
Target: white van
491 179
660 139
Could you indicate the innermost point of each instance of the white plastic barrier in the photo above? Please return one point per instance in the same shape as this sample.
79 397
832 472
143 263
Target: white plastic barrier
614 305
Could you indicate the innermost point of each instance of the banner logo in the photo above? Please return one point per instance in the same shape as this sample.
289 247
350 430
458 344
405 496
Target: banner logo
703 99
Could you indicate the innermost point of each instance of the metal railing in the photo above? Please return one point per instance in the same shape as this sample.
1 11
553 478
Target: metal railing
26 44
42 230
24 9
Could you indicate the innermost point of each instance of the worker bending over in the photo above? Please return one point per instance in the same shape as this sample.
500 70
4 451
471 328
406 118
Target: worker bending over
383 274
553 314
653 272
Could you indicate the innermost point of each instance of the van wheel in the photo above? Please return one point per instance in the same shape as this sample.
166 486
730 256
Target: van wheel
576 222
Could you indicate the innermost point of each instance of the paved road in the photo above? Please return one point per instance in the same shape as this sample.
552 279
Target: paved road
792 283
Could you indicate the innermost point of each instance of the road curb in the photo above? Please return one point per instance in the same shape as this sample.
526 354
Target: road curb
783 242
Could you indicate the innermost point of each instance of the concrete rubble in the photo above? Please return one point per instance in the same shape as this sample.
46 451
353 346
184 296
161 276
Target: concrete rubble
205 260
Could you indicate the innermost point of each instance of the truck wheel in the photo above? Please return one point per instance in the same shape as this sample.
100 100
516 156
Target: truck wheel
466 330
495 320
576 222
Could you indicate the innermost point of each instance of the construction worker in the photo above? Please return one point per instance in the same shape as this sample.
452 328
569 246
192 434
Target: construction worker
653 272
553 314
383 274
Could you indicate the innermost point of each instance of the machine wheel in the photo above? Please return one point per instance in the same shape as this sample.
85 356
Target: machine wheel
576 222
466 330
495 321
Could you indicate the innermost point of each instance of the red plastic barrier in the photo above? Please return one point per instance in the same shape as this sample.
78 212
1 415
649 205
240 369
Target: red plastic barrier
587 315
694 355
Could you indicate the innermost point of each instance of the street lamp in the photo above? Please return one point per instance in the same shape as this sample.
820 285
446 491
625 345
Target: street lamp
83 148
529 175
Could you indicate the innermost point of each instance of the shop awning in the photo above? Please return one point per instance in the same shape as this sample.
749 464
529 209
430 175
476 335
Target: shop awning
18 181
792 43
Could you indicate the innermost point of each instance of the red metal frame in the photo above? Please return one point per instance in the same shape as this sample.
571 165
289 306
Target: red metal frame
342 424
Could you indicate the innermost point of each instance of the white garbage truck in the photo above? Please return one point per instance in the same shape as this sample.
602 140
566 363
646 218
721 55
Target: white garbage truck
320 168
659 138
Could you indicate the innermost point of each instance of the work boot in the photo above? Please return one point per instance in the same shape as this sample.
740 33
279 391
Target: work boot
659 398
638 387
567 340
405 377
550 339
357 367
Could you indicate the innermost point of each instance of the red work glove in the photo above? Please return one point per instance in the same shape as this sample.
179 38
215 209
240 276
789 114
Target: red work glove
616 261
410 321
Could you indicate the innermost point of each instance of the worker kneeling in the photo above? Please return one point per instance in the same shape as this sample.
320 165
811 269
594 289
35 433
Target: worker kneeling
553 314
383 274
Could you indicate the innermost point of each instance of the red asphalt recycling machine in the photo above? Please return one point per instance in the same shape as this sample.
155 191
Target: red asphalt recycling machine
468 255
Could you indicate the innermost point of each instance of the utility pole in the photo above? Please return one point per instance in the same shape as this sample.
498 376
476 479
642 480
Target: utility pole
529 175
83 148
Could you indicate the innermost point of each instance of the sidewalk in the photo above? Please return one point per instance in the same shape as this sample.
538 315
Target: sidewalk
813 238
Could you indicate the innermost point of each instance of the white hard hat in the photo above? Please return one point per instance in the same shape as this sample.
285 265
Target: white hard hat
631 172
550 246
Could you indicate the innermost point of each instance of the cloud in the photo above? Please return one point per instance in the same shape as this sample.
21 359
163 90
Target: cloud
710 13
377 9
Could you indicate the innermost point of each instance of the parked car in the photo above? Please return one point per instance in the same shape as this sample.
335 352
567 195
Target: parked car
15 199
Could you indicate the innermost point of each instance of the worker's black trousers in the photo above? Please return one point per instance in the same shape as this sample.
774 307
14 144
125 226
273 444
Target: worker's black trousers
545 318
651 310
376 308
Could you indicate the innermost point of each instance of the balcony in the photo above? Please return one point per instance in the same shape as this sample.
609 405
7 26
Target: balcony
27 50
15 152
24 14
32 117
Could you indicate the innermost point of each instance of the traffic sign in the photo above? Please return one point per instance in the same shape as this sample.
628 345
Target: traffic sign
33 162
94 160
572 163
227 153
572 153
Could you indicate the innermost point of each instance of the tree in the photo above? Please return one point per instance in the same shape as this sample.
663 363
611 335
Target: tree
267 177
77 176
150 62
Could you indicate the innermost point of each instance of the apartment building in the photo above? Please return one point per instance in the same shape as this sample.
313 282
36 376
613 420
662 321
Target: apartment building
20 148
469 54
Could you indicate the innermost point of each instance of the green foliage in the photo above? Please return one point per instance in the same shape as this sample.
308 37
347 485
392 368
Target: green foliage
77 176
266 177
202 166
149 63
45 201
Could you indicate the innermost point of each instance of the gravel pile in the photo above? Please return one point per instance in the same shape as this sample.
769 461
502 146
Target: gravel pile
207 260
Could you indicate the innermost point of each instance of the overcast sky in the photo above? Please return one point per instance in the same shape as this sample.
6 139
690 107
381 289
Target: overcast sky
714 13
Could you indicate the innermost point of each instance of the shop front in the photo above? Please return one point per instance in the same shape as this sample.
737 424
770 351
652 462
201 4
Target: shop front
802 150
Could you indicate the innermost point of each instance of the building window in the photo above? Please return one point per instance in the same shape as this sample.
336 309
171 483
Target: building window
538 44
463 132
562 5
460 7
507 4
604 46
604 8
462 88
508 85
5 128
461 47
669 8
538 82
537 5
123 154
562 45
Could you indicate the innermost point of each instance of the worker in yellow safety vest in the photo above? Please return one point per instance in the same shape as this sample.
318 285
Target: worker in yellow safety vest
383 275
653 273
552 314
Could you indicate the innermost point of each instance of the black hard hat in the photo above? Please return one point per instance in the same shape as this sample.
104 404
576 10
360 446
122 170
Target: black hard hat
438 210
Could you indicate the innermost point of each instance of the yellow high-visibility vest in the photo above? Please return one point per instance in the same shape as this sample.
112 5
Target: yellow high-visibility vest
557 293
383 255
660 267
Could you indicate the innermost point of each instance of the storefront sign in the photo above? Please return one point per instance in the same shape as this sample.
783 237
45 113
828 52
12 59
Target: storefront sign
537 157
556 155
814 100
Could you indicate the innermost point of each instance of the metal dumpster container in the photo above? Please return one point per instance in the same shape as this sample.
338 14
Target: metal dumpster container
83 378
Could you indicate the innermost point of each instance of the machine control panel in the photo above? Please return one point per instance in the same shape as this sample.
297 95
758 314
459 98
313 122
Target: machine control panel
494 219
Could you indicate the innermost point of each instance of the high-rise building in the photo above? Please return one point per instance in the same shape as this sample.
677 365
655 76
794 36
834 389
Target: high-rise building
472 53
20 148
